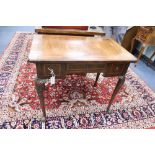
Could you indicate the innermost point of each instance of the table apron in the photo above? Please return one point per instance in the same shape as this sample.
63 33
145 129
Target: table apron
61 69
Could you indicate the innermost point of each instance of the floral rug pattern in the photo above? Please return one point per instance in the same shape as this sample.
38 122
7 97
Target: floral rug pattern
72 102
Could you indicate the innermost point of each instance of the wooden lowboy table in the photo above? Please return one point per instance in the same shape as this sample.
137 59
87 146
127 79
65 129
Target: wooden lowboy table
76 55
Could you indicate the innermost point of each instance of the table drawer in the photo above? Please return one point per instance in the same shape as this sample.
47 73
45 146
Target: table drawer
96 67
116 69
44 72
76 68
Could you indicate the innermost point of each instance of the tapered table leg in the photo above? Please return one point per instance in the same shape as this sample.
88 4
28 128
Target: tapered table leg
153 54
98 74
132 45
40 86
118 86
140 54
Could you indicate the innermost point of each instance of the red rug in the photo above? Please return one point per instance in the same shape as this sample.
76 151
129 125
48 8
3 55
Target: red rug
72 102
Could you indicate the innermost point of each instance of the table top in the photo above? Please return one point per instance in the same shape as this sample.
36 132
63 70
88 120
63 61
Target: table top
61 48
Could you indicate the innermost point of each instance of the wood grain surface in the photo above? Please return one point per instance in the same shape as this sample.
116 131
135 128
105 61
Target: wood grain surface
57 48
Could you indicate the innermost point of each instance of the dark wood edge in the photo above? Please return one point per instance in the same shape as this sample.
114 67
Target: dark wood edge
68 32
88 62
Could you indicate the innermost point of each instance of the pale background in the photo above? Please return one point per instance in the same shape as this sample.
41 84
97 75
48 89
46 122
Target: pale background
76 12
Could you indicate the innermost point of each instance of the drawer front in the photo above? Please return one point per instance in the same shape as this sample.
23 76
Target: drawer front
44 72
56 68
96 68
76 68
85 68
116 69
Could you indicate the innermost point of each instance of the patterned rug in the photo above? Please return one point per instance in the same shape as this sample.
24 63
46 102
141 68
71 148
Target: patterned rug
72 102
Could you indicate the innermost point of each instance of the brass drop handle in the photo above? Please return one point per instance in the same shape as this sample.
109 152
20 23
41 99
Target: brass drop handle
52 72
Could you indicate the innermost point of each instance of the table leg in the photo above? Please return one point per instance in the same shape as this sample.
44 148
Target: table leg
98 74
140 54
118 86
40 87
132 45
153 54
